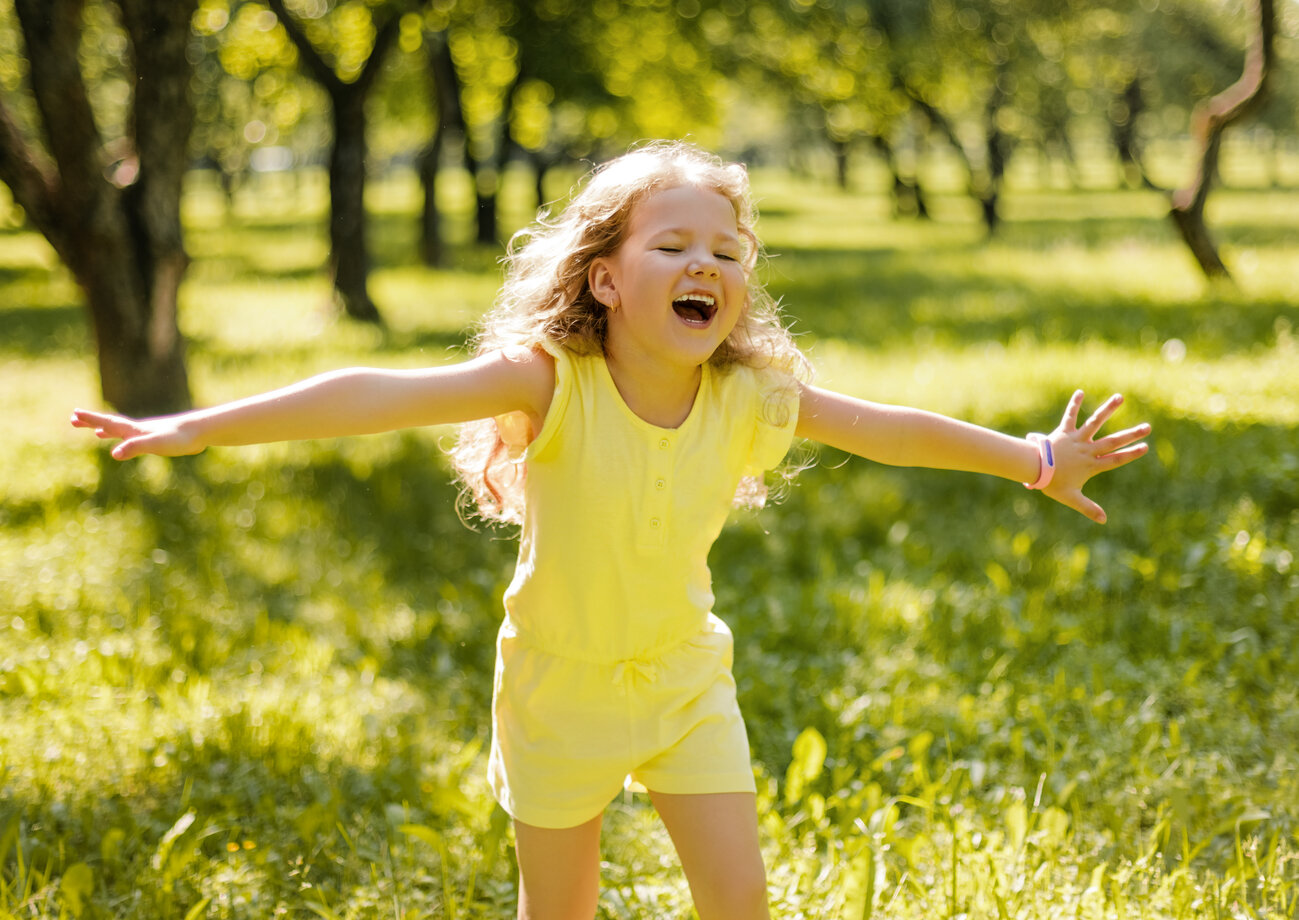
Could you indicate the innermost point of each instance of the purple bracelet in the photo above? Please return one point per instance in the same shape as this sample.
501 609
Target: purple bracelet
1046 459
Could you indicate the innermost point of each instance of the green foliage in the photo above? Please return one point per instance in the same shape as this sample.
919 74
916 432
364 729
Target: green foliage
256 682
247 91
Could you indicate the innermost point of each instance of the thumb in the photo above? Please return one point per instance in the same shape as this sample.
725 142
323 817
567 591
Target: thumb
1083 505
131 447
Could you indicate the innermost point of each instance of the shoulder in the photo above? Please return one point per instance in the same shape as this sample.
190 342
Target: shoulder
759 385
761 404
528 373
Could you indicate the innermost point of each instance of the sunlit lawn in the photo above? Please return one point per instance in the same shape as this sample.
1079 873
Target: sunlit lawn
255 683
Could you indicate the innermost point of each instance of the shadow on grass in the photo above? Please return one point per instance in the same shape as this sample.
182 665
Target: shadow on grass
43 331
1099 232
240 249
222 357
866 571
898 295
243 569
363 536
369 532
862 605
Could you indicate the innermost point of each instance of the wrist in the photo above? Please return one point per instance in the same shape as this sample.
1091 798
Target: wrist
1046 461
190 429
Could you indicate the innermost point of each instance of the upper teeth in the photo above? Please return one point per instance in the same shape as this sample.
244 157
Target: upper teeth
703 298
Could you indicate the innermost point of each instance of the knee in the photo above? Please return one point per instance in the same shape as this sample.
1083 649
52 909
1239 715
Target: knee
740 893
576 903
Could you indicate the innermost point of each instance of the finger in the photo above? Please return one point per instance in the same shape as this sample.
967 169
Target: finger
103 424
1101 415
1070 420
132 447
1113 442
1093 511
1083 505
84 418
1123 457
115 431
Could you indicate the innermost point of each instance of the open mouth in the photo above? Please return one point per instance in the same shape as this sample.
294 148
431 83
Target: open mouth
695 309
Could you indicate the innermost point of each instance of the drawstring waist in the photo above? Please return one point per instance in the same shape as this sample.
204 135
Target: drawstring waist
629 670
644 667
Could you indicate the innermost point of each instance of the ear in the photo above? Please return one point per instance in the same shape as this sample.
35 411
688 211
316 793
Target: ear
602 283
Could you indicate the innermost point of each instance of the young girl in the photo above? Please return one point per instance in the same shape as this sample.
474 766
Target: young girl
632 383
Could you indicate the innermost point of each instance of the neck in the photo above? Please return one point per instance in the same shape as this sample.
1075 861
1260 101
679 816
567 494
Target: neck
658 394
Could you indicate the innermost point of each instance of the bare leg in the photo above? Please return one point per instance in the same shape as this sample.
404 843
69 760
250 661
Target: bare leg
716 837
559 871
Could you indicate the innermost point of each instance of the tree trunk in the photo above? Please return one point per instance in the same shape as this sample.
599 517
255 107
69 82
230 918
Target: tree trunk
450 117
541 165
349 253
1123 130
976 187
487 183
348 256
432 248
997 149
119 236
840 150
908 199
1209 121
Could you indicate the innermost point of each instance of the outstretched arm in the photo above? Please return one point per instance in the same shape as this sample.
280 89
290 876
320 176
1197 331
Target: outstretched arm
912 437
347 402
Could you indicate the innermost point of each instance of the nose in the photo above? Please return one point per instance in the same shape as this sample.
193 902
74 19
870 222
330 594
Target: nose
704 266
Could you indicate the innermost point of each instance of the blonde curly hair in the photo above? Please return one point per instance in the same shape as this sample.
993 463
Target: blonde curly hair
546 299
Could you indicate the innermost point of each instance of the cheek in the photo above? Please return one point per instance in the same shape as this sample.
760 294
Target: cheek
738 289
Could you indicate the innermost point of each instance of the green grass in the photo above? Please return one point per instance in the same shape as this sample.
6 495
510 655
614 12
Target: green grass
255 683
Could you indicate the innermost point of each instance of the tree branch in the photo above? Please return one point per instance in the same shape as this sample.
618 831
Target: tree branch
161 111
52 32
30 178
314 61
1212 117
1209 123
384 39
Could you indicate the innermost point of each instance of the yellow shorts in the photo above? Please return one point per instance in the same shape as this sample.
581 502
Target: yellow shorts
568 734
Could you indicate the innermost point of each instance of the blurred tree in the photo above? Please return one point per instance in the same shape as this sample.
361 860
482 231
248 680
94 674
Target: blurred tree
566 101
832 61
982 76
356 35
986 79
440 33
485 58
1210 120
1133 62
103 183
449 126
248 94
591 76
559 80
905 27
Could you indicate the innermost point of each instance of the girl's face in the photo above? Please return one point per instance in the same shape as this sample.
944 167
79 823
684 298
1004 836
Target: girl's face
676 286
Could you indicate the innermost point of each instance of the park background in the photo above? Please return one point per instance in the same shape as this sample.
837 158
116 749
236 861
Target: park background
255 683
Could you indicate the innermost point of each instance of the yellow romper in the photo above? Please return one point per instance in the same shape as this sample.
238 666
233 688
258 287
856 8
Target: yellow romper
610 666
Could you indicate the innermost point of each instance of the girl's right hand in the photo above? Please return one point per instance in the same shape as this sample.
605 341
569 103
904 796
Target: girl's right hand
166 436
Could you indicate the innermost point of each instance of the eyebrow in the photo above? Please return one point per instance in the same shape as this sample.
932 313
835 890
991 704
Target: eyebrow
683 231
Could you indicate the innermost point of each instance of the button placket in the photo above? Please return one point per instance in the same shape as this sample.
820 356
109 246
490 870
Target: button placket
656 493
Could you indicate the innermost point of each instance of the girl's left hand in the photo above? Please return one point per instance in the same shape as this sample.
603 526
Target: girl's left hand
1079 455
